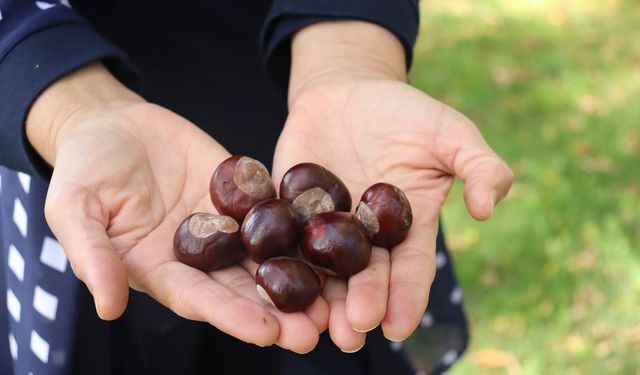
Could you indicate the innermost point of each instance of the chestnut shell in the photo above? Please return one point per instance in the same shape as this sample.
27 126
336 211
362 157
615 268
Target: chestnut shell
336 242
305 176
237 184
208 242
392 214
270 229
291 284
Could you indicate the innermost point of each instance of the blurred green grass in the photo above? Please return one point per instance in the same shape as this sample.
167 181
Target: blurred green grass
552 281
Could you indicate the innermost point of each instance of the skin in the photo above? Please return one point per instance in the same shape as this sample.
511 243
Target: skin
352 112
127 172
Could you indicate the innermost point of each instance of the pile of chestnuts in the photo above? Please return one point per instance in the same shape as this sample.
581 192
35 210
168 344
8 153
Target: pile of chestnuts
312 218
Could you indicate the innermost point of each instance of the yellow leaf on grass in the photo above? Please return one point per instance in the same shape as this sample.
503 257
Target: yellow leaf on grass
491 358
496 359
634 334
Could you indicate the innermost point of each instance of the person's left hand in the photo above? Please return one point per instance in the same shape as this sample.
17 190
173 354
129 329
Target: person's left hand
368 130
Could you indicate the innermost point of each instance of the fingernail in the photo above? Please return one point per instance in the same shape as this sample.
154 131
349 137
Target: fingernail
97 304
494 200
367 330
393 340
352 351
303 352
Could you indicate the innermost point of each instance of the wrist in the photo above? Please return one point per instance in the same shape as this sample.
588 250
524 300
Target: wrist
89 88
341 51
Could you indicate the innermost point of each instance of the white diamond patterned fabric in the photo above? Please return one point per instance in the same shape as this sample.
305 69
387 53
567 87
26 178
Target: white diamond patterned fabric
39 347
445 308
53 255
20 217
16 262
456 295
13 305
37 325
45 303
449 357
25 181
427 320
13 347
441 260
44 5
395 345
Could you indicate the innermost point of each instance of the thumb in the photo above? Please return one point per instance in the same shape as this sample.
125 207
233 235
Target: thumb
486 177
76 218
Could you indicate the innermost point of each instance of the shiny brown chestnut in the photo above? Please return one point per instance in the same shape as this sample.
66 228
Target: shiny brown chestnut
337 243
289 284
270 229
208 242
386 213
238 184
313 189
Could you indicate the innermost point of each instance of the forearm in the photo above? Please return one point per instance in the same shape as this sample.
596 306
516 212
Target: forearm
39 44
89 87
343 50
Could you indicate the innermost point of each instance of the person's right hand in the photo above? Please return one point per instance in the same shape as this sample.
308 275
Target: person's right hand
126 173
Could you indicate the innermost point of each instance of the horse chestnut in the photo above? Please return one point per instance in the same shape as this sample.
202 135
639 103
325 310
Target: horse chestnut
313 189
270 229
386 213
289 284
337 243
238 184
208 242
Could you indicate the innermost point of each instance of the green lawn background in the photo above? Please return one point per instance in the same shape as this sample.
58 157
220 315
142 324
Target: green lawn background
552 281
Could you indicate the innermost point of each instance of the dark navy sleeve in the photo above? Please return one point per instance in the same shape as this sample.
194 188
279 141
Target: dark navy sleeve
401 17
41 41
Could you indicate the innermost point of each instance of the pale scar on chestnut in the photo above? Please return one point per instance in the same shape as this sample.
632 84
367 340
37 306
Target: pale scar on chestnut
264 295
368 218
203 225
289 284
311 202
386 213
253 178
208 242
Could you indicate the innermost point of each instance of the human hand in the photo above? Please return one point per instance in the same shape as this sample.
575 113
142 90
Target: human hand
361 121
126 173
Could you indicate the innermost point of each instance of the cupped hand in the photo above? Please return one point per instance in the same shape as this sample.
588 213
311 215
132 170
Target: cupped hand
368 130
125 176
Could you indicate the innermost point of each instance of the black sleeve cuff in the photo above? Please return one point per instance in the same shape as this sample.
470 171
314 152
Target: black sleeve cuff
401 17
31 66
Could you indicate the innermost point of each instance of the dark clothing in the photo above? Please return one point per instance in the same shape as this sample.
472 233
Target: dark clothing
203 59
224 66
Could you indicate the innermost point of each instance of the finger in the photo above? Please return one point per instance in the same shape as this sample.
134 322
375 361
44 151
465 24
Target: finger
318 312
345 338
412 272
487 178
75 218
193 295
366 303
297 332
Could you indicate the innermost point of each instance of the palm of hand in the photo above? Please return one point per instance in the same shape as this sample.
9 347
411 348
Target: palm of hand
128 177
367 135
372 131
